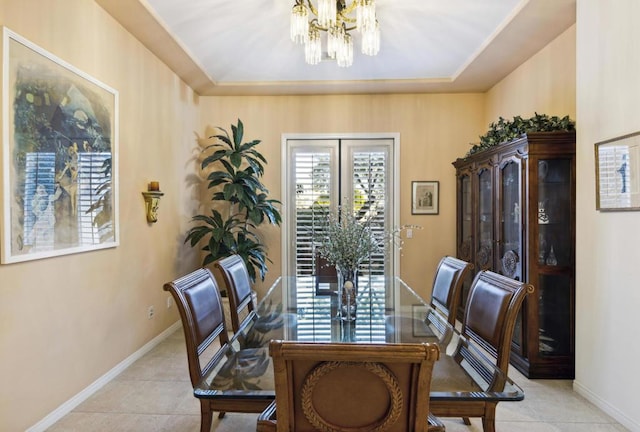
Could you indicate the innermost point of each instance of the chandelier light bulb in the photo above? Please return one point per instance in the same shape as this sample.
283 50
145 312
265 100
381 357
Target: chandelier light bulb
299 23
366 15
344 54
335 37
313 47
327 12
371 40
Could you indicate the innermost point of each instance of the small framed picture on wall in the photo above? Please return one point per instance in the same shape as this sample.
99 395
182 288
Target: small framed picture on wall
618 173
425 197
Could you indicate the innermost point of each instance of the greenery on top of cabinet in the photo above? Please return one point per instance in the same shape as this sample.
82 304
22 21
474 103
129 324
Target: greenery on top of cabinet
506 130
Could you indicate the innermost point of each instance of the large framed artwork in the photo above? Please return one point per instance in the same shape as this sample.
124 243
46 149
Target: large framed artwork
618 173
59 164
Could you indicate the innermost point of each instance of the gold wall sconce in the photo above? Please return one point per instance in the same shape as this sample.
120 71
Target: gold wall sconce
152 201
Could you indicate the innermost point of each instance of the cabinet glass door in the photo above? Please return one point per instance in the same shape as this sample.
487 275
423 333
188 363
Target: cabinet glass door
555 243
510 221
484 251
555 257
555 315
466 218
465 232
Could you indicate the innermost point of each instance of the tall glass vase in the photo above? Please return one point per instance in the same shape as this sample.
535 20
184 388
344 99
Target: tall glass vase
347 293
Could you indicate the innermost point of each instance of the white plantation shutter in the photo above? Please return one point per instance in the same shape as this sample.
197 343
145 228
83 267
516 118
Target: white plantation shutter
91 175
40 170
314 185
321 174
369 180
312 178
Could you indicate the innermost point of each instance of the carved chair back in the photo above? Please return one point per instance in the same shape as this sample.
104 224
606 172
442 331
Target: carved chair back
334 387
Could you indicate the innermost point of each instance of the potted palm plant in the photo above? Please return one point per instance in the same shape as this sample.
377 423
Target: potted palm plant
240 202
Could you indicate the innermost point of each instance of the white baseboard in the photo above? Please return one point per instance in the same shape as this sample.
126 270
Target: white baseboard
605 406
69 405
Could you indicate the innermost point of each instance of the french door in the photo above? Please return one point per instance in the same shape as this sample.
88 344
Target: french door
321 175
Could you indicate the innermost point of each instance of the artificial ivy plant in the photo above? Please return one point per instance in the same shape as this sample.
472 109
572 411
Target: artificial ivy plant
240 202
506 130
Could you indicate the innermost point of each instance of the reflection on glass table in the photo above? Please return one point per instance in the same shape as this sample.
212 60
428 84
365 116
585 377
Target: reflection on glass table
388 312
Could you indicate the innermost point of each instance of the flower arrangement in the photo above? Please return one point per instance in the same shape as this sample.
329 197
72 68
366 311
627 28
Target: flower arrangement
346 238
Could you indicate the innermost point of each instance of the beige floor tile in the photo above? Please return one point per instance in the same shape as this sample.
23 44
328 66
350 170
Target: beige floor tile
142 397
157 367
155 395
112 422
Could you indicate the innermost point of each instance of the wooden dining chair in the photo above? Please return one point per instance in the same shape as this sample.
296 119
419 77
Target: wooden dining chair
440 318
198 300
355 387
447 286
490 316
238 284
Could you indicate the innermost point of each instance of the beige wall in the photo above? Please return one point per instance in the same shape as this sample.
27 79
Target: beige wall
607 324
545 84
66 321
434 131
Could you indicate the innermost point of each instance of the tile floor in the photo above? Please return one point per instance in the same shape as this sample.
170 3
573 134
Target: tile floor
155 395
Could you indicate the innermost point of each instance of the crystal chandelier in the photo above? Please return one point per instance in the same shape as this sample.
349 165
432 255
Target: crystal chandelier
335 18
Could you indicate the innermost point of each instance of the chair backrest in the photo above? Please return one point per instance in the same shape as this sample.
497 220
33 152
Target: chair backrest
333 387
447 286
236 278
198 301
491 312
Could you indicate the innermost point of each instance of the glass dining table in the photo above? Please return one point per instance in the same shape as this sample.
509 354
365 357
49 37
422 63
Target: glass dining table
388 311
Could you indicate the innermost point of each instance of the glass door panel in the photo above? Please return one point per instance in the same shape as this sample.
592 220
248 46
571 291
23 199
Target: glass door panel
484 252
555 315
510 221
555 243
321 176
466 233
466 222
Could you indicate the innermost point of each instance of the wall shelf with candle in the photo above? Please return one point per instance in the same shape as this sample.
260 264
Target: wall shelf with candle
152 201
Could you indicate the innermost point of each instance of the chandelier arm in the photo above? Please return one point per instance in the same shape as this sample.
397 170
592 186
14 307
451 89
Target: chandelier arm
346 10
314 23
311 7
342 13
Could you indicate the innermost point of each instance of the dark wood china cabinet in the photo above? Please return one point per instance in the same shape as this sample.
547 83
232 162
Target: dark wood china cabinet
516 216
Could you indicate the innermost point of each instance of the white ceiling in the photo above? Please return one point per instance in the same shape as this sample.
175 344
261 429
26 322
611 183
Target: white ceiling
243 46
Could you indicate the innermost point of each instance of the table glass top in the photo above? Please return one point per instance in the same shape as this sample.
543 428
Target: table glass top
388 311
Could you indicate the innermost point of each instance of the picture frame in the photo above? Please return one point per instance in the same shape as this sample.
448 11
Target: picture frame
419 315
59 156
618 173
425 197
